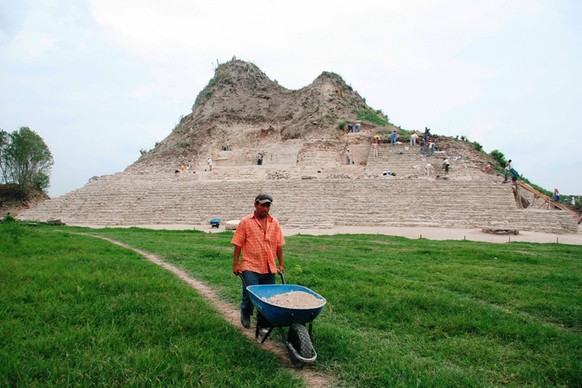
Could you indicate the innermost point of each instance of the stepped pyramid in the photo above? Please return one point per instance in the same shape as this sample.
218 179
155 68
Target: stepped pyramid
241 113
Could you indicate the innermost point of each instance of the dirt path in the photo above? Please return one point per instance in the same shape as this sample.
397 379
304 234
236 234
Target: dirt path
231 314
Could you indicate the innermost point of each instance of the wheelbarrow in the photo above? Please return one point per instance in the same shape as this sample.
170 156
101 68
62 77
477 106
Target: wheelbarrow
298 337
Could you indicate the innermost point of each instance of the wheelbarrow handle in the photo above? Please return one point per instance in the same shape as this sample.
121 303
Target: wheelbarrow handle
240 275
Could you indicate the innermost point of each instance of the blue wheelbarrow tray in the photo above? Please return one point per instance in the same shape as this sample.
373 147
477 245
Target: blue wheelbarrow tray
282 316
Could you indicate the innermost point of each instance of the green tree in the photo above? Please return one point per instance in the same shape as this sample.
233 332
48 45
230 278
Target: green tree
26 159
498 155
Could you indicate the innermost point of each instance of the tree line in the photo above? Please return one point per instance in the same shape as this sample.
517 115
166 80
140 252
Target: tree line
25 160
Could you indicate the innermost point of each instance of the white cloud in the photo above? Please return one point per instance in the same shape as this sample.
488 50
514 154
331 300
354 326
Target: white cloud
504 73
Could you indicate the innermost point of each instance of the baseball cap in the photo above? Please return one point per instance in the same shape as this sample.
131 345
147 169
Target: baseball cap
263 199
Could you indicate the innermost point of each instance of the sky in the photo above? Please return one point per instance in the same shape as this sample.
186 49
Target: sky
100 80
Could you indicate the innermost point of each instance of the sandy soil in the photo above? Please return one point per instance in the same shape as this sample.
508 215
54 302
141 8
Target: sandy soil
409 232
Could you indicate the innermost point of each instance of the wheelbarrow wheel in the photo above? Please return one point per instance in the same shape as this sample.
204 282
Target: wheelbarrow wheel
300 340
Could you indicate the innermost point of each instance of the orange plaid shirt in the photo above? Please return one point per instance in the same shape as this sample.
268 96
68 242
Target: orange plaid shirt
259 247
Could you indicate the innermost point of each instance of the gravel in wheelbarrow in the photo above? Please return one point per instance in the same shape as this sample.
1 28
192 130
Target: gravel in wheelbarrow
280 315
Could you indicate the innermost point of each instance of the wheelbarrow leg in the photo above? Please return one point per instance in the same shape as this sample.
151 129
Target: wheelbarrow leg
263 339
311 326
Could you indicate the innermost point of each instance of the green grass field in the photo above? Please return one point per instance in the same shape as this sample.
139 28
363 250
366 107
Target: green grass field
77 310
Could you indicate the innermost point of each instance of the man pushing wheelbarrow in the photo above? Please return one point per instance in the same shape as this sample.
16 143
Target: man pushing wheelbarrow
259 237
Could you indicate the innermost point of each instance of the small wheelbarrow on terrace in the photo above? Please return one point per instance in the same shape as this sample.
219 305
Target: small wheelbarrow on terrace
298 337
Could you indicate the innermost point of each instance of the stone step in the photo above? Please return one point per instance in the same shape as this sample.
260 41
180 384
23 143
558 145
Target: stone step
312 187
125 200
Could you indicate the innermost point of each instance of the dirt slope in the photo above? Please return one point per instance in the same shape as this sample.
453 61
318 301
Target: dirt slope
242 107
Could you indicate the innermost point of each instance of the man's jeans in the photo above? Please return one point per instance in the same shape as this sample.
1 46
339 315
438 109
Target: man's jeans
251 279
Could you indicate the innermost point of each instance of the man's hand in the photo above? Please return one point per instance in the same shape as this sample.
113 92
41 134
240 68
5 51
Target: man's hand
236 270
